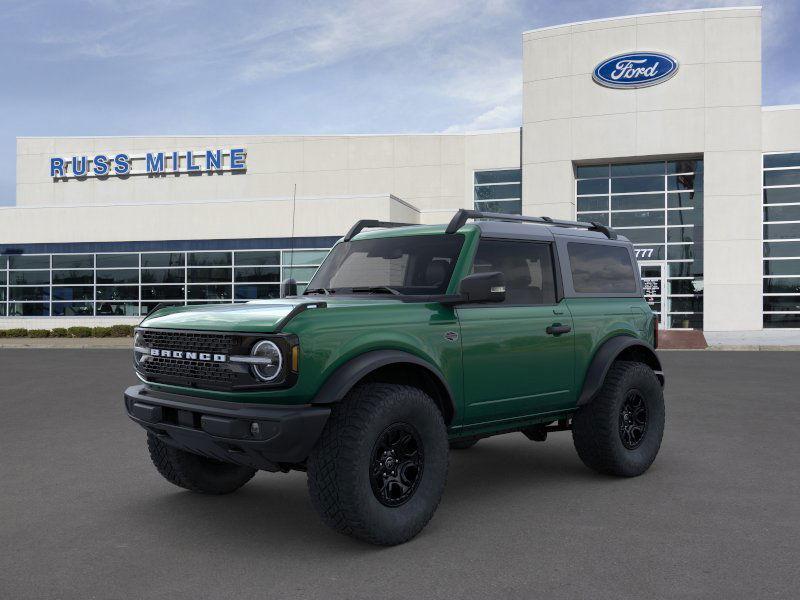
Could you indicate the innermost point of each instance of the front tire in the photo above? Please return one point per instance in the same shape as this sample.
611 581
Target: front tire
378 471
619 432
194 472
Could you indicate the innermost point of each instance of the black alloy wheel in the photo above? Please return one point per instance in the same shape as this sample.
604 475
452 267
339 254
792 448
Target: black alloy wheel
632 420
396 464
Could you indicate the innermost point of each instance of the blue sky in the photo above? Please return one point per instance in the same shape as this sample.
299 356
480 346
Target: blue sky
151 67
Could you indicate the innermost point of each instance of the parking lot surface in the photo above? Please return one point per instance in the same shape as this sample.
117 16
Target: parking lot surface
83 514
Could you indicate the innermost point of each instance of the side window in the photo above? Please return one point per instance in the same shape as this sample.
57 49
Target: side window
526 266
601 269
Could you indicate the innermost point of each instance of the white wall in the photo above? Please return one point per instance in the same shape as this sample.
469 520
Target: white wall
712 106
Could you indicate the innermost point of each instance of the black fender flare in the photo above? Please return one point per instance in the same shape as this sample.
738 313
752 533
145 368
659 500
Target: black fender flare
607 354
350 373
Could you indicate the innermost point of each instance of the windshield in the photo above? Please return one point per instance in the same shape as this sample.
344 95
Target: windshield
408 265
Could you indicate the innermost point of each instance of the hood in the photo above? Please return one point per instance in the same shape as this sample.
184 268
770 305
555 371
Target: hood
259 316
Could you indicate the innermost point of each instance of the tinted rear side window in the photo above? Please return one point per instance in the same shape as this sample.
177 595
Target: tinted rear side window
601 269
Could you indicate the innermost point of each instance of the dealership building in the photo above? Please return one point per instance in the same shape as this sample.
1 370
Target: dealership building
650 123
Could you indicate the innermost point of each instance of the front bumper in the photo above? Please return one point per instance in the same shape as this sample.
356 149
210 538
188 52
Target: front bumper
268 437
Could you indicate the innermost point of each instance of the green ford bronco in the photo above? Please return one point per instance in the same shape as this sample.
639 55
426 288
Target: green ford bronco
409 341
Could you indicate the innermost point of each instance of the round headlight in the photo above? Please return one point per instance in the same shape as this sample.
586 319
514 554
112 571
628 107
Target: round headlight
269 367
138 346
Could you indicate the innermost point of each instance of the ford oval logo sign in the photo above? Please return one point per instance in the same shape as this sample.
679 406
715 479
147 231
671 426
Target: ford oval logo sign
635 70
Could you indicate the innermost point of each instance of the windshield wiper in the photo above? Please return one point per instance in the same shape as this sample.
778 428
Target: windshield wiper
375 289
321 290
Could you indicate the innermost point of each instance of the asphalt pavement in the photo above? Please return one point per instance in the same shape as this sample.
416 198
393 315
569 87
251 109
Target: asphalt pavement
83 514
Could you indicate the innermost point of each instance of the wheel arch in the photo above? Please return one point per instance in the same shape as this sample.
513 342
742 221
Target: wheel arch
389 366
621 347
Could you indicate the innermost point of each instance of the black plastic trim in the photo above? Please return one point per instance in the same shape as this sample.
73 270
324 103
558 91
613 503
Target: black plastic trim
353 371
364 223
287 432
463 215
605 356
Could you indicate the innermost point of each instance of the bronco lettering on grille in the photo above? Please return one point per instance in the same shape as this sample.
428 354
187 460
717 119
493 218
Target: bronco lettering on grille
204 356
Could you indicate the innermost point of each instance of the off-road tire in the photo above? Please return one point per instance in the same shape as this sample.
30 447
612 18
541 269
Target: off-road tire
339 466
463 443
596 426
194 472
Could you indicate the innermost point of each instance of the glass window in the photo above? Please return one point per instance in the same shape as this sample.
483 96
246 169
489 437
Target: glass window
508 207
2 309
209 259
28 309
147 307
73 292
680 234
411 264
209 292
592 203
118 276
693 304
23 261
256 292
790 159
694 321
163 276
162 292
592 186
637 201
304 257
787 320
788 177
681 252
117 309
117 260
527 268
782 213
587 171
117 292
782 285
73 277
3 262
777 249
684 182
684 217
163 259
498 192
29 277
598 217
782 267
601 269
208 275
650 252
684 286
73 261
299 273
782 231
650 168
260 258
73 309
685 200
257 274
2 277
29 293
782 303
498 176
637 184
637 219
781 195
644 236
684 166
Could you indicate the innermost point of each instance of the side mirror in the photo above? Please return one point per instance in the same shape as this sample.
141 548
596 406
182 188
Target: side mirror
483 287
288 288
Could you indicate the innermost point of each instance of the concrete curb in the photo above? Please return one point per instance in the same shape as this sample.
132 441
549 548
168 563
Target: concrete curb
67 343
737 348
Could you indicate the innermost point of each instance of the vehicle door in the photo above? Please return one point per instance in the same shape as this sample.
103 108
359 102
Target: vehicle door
518 355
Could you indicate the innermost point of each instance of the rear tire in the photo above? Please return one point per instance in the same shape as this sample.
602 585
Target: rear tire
194 472
378 471
463 443
619 432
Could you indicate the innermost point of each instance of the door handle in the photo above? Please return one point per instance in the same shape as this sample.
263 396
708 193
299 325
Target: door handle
557 329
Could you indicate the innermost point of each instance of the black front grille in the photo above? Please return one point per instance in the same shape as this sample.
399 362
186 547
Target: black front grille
197 373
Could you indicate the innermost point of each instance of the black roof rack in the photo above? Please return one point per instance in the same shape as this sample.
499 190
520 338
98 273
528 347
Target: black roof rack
463 215
364 223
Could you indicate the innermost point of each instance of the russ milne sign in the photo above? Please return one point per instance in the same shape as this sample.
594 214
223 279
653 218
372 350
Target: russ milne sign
151 163
635 70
